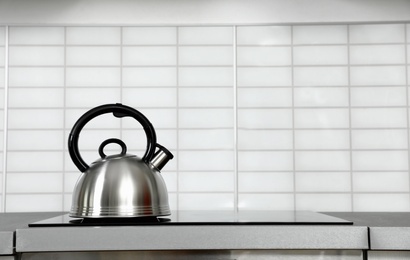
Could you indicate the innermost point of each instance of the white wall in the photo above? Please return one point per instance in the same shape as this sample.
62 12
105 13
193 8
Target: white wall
200 11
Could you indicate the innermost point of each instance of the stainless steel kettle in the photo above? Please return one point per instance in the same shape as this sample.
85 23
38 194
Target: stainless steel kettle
121 185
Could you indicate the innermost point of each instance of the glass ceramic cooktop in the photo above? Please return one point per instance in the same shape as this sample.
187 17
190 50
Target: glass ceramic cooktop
204 218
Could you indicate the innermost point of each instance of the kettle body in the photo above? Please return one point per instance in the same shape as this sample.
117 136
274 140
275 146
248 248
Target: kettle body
121 185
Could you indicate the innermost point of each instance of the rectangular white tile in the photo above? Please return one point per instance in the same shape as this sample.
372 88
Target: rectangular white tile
2 80
205 56
34 182
381 182
322 118
36 35
378 96
35 140
96 55
205 201
320 55
323 182
266 201
149 56
265 161
205 97
2 36
36 118
380 160
377 33
36 77
321 97
205 35
265 118
320 76
381 202
35 161
378 54
205 118
323 202
263 35
205 181
264 97
36 97
378 76
215 160
93 77
264 77
76 97
149 35
322 161
205 77
160 118
320 34
379 139
149 77
265 182
36 56
264 56
2 56
322 139
378 117
136 138
103 121
34 203
264 139
206 139
93 35
150 97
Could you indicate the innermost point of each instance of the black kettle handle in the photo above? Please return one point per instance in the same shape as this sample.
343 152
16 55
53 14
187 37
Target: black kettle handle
118 110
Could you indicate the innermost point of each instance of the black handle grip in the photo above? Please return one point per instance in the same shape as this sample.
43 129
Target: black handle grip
118 110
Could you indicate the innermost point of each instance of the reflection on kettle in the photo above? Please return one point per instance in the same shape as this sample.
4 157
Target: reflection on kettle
121 185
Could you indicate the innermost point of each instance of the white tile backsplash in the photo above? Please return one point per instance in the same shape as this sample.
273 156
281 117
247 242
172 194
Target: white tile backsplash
320 34
377 33
97 56
264 35
264 56
149 35
149 56
36 77
378 75
305 117
93 35
21 35
205 35
36 56
320 55
264 77
205 56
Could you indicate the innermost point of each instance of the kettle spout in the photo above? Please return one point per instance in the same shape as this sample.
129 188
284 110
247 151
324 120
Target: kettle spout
161 157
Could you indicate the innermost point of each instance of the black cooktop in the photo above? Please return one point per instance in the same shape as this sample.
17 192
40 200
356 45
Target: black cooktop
203 218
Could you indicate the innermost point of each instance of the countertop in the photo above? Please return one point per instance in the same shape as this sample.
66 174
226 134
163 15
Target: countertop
371 230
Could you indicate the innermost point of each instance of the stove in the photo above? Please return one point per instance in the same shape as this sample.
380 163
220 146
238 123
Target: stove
203 218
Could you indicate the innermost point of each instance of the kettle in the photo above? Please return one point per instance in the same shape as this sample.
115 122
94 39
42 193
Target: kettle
121 185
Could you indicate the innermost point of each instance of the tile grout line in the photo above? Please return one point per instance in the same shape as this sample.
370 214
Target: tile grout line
350 119
121 81
407 98
64 112
177 115
5 119
293 120
235 120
